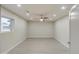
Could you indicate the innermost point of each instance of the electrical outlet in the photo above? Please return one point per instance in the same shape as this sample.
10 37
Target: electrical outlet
69 42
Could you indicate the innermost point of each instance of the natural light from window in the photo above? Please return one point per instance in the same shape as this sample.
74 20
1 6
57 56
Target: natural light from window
5 24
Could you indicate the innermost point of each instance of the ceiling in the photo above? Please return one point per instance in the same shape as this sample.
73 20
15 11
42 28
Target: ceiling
52 11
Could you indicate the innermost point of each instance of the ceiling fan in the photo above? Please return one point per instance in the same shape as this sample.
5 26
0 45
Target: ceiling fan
43 18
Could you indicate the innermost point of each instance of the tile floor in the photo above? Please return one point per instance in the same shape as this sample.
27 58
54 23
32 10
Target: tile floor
40 46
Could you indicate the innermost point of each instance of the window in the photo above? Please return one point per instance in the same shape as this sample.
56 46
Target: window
6 24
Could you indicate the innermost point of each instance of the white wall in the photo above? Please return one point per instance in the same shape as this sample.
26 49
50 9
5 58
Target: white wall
10 39
61 28
40 29
74 25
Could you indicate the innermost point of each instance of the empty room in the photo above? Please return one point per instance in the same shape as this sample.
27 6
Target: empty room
35 29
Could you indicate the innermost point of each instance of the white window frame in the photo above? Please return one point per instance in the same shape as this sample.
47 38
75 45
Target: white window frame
10 27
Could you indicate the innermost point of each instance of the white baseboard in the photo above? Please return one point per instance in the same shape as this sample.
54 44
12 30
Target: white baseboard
40 37
6 52
62 43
